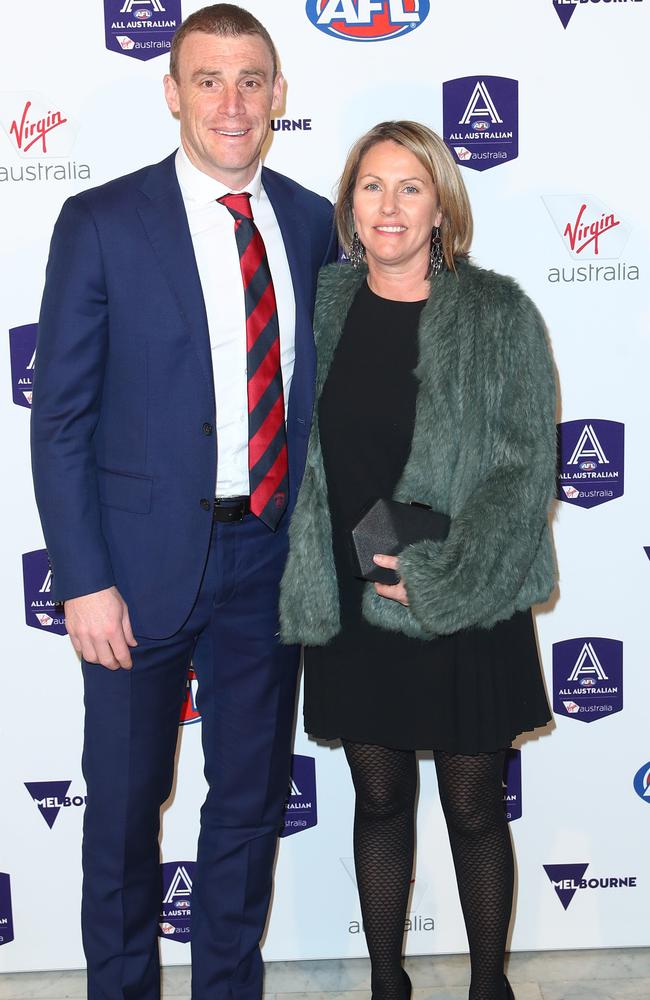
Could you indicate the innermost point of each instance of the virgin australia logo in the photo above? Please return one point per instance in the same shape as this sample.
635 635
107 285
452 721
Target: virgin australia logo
594 236
39 132
415 919
29 132
35 126
584 223
584 233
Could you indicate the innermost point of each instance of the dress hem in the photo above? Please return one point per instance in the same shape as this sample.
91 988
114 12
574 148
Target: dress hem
444 747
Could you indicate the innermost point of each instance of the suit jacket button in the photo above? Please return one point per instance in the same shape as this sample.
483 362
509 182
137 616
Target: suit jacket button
207 428
205 504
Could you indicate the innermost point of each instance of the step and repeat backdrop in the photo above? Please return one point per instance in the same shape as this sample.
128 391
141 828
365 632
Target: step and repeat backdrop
543 104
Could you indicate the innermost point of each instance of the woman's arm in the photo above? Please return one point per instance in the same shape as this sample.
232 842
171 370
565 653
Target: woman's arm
496 534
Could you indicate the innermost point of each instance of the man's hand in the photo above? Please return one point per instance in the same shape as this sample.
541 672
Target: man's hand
396 592
99 627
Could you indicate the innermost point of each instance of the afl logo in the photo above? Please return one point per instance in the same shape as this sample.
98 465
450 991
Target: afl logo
367 20
642 782
588 466
189 711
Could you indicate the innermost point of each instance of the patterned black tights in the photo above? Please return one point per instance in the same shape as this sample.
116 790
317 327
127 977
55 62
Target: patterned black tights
471 793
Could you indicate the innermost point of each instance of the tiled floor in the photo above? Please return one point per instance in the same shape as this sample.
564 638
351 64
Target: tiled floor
622 974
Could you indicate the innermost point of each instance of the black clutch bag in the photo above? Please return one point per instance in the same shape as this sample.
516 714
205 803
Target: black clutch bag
387 527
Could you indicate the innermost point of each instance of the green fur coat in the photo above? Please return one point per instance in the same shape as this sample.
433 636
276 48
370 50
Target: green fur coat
483 451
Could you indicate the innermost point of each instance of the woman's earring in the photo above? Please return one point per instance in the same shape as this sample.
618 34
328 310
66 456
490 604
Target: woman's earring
357 251
436 256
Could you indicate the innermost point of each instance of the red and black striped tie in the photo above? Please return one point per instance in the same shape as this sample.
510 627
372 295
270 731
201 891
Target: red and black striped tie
267 439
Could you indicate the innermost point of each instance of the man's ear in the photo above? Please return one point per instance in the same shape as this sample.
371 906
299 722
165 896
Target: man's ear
278 92
171 94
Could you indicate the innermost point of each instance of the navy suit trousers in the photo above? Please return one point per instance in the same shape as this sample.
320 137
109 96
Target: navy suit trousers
246 695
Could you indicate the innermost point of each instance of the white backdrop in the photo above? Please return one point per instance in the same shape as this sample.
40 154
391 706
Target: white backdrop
582 131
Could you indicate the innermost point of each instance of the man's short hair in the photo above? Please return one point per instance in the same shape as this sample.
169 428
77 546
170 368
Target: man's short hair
225 20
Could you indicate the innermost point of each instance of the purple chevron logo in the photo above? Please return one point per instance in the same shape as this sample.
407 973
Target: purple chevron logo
565 9
566 880
51 797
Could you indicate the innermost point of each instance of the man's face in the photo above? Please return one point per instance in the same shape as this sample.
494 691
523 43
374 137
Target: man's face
224 96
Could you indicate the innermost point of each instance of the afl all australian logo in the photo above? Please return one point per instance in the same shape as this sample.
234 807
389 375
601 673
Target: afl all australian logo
367 20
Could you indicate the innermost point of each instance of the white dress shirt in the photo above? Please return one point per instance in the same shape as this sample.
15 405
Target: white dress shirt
212 228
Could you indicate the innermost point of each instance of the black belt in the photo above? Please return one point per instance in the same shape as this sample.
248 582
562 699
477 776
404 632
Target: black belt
228 510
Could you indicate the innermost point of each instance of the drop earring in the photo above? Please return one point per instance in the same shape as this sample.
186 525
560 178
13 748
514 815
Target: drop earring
436 257
357 251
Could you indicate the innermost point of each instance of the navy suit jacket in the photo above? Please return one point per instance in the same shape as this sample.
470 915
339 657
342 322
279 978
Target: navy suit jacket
122 452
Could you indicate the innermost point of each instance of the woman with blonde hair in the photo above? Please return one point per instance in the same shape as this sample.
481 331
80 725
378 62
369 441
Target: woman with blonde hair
434 385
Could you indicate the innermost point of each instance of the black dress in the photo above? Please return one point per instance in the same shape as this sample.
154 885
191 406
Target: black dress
468 693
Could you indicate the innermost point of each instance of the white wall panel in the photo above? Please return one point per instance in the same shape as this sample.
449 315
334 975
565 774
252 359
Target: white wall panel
582 139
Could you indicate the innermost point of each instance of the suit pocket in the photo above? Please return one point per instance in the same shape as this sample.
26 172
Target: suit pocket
124 491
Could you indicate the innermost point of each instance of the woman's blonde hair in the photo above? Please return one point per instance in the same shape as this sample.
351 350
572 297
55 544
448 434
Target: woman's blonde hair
456 227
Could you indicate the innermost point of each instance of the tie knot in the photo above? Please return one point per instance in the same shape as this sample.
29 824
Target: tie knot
239 205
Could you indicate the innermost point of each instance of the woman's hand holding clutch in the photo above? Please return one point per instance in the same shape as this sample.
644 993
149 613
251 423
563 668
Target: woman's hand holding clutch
397 592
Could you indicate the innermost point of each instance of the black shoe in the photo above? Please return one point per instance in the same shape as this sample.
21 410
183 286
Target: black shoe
406 995
509 994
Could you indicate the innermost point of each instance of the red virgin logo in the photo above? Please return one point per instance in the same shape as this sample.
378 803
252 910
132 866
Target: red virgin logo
589 228
582 233
29 131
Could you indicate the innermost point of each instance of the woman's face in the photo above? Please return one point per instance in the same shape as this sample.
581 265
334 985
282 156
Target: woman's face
395 207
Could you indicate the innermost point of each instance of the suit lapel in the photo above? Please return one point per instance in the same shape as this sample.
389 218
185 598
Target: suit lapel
164 218
300 267
291 227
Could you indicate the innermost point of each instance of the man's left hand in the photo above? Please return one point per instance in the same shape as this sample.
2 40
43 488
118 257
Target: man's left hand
396 592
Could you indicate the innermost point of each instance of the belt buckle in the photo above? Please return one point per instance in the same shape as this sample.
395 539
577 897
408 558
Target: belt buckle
238 513
233 513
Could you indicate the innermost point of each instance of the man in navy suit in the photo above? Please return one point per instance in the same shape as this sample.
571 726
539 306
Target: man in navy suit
142 437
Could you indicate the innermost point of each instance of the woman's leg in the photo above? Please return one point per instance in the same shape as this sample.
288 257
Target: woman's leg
471 792
385 782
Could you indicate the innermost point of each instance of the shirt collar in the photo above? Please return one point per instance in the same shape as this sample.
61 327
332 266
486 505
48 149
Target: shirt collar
199 187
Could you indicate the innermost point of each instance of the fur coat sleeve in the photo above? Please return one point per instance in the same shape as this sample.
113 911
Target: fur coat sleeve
499 528
483 451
